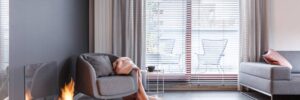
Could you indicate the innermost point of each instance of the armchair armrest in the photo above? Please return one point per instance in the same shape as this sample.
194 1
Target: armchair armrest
85 78
134 75
143 76
267 71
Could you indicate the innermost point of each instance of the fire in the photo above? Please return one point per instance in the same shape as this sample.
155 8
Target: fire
67 92
28 95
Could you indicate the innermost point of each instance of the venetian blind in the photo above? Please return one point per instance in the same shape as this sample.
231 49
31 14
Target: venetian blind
179 27
4 33
215 40
165 34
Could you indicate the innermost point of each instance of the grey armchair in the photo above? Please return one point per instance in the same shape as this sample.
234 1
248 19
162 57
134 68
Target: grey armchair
108 87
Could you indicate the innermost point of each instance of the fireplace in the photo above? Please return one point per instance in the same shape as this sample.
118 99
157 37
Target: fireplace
67 92
47 81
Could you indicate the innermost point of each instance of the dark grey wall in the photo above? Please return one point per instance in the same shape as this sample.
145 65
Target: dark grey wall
43 31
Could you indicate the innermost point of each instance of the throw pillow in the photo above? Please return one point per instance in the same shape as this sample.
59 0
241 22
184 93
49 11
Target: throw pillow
101 64
274 58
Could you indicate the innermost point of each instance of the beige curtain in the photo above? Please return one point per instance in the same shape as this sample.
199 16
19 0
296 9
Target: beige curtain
254 29
102 26
118 28
127 29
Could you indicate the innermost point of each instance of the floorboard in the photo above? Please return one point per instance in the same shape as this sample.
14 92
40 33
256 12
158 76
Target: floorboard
193 95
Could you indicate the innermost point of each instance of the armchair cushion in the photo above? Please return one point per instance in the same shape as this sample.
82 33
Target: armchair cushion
116 85
101 64
266 71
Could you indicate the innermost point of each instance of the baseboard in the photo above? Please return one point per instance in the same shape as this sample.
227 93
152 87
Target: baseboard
186 86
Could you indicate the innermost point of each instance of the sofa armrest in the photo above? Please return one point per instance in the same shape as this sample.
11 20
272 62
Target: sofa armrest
267 71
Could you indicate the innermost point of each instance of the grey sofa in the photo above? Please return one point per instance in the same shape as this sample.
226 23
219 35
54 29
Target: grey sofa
108 87
272 80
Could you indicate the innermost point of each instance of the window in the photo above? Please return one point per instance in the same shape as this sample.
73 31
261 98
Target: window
193 37
4 30
4 48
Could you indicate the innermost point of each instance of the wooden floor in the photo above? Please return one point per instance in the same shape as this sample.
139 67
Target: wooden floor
205 95
197 95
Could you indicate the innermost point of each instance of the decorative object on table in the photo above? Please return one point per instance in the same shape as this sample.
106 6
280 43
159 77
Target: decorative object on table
151 68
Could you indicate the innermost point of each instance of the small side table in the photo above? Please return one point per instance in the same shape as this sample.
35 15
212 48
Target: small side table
157 81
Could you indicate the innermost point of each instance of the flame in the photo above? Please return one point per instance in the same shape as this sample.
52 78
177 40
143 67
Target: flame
67 92
28 95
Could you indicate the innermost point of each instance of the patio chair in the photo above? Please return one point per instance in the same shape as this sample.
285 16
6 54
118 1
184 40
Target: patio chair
166 55
213 53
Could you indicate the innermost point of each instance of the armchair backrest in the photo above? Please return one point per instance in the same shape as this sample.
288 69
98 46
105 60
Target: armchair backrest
294 58
86 75
111 57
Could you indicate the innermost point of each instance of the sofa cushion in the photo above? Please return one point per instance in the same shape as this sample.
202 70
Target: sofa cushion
290 87
294 58
115 85
101 64
274 58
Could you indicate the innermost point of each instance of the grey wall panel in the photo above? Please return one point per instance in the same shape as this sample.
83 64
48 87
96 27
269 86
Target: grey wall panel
43 31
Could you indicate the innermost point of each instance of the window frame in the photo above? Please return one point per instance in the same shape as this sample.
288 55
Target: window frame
188 75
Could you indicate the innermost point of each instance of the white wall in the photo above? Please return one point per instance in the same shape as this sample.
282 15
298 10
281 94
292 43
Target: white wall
285 25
